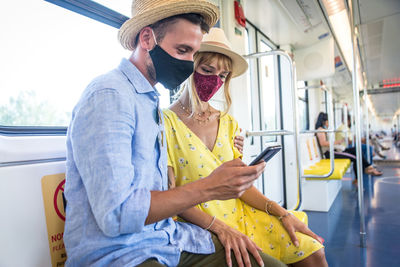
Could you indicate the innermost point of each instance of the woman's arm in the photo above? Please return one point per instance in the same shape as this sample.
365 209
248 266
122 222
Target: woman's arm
230 238
322 138
255 199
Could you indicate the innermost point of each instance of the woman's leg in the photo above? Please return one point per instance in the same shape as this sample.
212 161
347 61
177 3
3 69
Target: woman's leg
367 167
316 259
352 150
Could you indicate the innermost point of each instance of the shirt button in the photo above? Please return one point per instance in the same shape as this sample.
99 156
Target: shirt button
155 97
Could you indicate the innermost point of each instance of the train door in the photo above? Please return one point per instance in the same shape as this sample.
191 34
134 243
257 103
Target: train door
263 86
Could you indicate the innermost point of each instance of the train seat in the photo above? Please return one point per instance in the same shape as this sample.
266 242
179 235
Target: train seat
322 167
315 165
319 193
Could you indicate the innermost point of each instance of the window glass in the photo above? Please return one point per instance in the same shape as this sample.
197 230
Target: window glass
303 106
268 91
49 56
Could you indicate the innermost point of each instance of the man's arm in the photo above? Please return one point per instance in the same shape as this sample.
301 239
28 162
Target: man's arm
230 180
101 139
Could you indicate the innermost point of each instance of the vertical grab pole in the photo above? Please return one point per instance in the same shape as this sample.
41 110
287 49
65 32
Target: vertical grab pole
295 99
367 125
346 122
356 101
332 128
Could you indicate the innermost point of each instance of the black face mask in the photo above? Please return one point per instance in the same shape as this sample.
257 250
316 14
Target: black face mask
170 71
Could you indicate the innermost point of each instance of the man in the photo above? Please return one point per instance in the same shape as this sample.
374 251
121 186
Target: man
343 132
119 206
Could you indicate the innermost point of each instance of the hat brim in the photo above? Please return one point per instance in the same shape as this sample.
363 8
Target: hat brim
128 31
239 64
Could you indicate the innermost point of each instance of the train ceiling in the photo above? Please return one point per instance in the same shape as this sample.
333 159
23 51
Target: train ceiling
379 40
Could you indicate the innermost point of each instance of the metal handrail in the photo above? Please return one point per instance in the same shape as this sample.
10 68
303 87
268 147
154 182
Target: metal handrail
268 133
331 132
294 103
319 131
321 87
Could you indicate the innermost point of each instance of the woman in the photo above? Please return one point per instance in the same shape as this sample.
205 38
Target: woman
200 138
349 153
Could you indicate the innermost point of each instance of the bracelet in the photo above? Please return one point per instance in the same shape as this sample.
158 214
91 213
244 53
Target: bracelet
268 205
283 216
212 222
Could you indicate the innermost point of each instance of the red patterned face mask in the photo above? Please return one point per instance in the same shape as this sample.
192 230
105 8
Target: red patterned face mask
206 85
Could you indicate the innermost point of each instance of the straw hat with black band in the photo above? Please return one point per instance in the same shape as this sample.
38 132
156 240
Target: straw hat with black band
216 41
147 12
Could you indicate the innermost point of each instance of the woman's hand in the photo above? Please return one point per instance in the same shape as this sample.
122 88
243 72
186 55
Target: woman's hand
292 225
234 240
239 142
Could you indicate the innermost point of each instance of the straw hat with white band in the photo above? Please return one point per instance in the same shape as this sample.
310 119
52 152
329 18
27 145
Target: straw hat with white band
216 41
147 12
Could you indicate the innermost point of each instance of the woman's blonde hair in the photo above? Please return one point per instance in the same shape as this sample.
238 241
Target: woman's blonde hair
223 62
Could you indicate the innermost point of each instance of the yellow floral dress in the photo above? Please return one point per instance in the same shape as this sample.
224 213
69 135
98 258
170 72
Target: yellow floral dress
192 160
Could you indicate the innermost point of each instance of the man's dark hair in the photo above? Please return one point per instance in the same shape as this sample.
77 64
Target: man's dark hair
160 28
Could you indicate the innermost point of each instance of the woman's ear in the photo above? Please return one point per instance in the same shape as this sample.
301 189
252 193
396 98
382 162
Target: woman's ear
146 39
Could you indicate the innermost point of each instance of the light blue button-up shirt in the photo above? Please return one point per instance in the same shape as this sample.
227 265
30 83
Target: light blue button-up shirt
116 156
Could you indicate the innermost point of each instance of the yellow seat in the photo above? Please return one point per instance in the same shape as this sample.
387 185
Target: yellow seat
322 167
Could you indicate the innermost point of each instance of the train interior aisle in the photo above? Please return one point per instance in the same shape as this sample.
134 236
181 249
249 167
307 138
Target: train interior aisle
341 225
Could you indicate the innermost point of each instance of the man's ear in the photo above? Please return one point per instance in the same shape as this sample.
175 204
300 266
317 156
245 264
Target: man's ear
146 39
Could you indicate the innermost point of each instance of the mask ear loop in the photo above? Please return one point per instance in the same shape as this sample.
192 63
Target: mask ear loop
154 36
155 40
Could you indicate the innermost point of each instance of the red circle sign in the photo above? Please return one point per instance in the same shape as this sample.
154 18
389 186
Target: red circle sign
58 200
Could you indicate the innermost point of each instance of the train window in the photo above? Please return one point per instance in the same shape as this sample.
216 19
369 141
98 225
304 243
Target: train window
49 59
268 89
303 106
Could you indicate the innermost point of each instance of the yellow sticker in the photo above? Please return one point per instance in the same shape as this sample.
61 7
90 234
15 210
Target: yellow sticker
52 190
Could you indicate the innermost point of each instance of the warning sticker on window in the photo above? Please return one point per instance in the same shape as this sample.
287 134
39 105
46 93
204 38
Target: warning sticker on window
54 207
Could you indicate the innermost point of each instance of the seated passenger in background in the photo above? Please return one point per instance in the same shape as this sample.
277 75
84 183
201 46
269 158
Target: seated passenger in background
378 146
340 135
201 138
349 153
340 140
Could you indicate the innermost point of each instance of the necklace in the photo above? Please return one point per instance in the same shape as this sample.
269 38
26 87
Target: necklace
199 117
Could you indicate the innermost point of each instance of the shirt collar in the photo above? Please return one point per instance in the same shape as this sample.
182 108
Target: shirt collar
139 82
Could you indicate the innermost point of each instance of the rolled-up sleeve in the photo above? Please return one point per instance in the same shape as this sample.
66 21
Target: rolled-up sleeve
102 148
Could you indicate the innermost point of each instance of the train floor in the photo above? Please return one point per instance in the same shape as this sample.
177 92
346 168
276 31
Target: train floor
341 225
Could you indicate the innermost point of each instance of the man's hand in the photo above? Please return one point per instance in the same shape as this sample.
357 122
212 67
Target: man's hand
232 179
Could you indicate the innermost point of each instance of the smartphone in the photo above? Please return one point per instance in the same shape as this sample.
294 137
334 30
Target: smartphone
267 154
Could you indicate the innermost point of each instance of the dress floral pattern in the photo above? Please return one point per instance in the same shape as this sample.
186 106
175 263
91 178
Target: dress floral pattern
192 160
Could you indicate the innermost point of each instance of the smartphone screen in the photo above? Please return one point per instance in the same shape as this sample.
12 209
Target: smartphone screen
267 154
